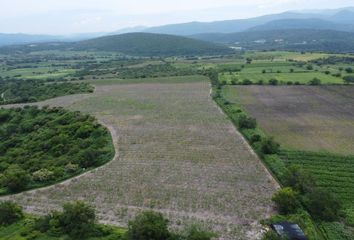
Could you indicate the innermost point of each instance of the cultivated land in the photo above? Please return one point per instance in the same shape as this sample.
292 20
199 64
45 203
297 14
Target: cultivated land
175 153
315 126
312 118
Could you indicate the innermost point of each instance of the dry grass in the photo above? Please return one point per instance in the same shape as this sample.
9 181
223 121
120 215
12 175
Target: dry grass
178 154
302 117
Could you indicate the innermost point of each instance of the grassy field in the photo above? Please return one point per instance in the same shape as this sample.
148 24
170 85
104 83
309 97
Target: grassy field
300 77
307 118
178 154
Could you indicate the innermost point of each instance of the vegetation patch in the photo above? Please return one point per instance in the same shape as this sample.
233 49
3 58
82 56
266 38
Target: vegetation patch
23 91
43 146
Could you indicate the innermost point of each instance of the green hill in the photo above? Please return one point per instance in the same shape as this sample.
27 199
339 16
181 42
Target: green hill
148 44
133 44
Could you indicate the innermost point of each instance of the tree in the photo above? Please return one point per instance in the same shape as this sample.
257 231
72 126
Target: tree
322 205
148 226
10 213
15 178
245 121
77 219
348 79
309 67
269 146
286 200
298 179
349 70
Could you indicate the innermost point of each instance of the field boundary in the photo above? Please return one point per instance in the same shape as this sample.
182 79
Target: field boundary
271 176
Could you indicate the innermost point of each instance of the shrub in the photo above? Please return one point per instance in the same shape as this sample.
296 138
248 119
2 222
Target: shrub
71 168
255 138
43 175
15 178
322 205
286 200
315 82
247 122
10 213
309 67
298 179
349 70
273 82
148 225
77 219
348 79
247 82
197 233
269 146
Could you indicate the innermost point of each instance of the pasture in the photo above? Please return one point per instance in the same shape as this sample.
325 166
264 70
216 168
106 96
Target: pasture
310 118
177 153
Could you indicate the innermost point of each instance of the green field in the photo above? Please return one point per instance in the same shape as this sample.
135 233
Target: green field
314 125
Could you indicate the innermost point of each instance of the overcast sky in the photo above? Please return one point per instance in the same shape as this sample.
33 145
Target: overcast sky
83 16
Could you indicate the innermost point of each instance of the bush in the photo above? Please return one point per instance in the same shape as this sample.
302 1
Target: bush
349 70
273 82
309 67
269 146
15 178
148 225
77 219
197 233
255 138
348 79
10 213
286 200
247 122
322 205
298 179
43 175
315 82
247 82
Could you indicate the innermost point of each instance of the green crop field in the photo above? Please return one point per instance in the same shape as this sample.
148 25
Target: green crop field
300 77
315 126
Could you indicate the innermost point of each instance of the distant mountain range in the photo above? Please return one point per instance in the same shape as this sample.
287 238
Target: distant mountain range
286 39
343 19
322 28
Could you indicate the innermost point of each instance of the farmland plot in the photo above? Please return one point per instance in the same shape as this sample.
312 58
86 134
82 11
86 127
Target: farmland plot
301 117
175 153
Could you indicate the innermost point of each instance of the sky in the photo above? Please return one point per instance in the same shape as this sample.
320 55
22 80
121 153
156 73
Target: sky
65 17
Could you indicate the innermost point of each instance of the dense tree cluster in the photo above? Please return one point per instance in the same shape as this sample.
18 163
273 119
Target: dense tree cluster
78 221
22 91
39 146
